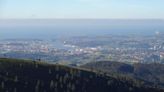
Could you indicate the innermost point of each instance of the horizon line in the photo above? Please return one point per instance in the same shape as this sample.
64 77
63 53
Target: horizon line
81 19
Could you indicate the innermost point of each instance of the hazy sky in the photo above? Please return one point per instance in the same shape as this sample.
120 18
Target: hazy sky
126 9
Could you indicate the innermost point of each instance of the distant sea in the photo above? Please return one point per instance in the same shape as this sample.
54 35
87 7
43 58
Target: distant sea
52 28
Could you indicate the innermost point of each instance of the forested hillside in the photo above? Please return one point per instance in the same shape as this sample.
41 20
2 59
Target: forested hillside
31 76
153 72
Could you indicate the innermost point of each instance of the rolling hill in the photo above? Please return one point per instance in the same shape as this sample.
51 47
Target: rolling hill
31 76
153 72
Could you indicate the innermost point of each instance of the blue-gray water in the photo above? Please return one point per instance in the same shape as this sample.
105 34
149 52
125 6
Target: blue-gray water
49 29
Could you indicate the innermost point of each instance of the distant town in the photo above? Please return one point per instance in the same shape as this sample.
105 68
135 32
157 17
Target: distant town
83 49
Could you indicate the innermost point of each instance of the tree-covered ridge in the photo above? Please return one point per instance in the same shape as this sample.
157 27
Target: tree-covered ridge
153 72
30 76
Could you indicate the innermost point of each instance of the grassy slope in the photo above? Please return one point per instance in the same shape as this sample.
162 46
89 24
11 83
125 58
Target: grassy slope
27 76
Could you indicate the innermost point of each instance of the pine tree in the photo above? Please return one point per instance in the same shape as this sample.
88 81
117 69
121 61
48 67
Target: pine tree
2 85
52 84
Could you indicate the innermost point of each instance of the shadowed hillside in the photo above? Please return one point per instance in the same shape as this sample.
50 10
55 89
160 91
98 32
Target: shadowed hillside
153 72
30 76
